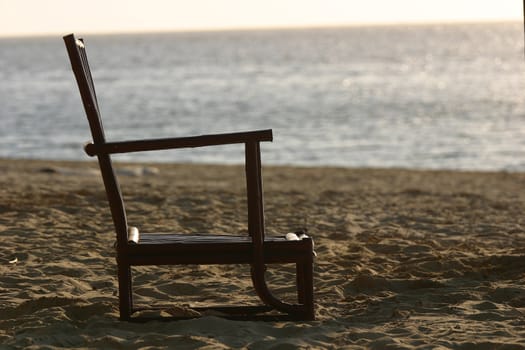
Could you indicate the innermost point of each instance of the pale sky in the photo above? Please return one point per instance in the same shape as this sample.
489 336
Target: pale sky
29 17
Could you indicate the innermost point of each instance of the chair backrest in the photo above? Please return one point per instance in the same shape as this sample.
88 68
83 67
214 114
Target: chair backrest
79 63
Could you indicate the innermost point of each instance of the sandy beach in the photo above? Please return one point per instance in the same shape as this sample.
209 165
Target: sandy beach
406 259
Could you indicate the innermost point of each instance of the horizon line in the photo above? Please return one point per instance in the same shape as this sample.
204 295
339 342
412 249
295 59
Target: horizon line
264 28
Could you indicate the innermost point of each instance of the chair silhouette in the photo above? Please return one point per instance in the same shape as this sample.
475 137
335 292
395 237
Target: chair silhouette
255 249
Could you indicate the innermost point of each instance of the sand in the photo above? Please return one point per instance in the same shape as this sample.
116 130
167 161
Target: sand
406 259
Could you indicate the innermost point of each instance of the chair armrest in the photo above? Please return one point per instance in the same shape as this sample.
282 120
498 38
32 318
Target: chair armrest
178 142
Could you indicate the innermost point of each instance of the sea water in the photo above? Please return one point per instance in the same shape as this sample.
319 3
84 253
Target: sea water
421 96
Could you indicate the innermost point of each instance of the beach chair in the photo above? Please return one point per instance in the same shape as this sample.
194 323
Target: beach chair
255 249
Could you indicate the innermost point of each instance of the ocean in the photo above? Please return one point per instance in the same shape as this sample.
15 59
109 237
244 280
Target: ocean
421 96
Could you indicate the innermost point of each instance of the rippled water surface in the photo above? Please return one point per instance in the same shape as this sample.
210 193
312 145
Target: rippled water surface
440 96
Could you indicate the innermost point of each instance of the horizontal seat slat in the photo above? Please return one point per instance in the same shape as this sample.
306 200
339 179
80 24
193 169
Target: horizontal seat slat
167 238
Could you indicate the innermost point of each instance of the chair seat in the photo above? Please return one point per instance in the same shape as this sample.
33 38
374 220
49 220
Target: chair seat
170 248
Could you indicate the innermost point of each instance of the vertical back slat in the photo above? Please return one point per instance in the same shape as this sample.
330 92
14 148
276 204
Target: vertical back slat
87 73
80 66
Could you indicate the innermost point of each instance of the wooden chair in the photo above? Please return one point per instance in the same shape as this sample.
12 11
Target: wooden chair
255 249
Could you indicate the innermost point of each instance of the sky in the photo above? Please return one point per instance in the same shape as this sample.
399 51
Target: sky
42 17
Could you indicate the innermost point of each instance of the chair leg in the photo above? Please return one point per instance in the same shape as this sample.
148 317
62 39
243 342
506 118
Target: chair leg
308 278
299 270
125 291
